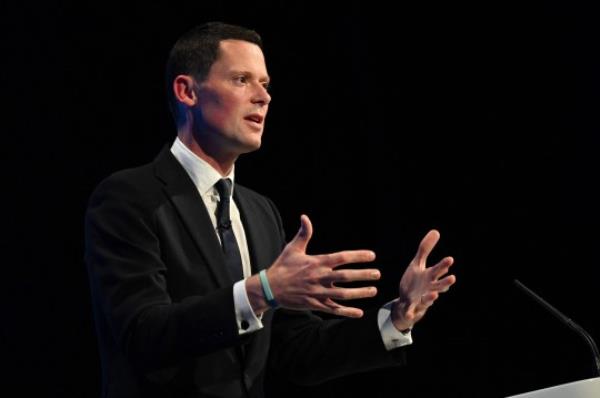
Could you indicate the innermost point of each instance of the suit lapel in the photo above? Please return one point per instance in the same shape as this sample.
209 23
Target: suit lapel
252 227
188 203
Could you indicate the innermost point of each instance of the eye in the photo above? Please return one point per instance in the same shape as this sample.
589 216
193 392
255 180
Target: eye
242 79
266 86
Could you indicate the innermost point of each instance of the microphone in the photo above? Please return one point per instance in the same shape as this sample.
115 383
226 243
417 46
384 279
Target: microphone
566 321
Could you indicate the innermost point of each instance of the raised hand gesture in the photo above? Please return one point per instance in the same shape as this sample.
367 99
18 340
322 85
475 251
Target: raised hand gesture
420 285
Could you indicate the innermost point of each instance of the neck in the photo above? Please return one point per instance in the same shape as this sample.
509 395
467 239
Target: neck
218 161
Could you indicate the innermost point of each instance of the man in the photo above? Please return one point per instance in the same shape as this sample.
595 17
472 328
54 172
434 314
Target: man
185 281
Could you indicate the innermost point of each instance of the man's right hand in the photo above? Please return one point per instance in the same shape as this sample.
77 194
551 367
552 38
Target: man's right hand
307 282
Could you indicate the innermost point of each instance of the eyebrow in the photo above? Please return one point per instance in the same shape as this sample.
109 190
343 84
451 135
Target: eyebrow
266 79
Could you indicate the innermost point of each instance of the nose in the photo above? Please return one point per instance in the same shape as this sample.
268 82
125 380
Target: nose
261 95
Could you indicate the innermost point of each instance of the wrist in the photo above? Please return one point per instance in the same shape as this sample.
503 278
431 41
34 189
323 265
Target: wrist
255 295
266 289
398 320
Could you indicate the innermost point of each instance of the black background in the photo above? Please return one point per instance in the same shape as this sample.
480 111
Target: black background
386 121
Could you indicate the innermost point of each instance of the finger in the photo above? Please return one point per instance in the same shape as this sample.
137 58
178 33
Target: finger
331 307
345 293
410 312
426 246
349 312
441 268
317 305
337 309
333 260
351 275
443 285
300 241
428 298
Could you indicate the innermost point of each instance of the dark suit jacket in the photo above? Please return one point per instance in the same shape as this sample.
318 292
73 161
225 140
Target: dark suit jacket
163 301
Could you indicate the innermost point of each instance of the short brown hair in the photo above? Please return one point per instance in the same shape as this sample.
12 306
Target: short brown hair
197 50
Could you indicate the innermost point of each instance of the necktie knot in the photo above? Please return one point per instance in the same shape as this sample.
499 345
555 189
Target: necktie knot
224 188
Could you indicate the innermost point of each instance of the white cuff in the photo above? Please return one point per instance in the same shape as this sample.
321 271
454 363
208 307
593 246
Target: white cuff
392 337
247 320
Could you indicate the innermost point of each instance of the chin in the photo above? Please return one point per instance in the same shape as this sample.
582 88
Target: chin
255 147
253 142
250 146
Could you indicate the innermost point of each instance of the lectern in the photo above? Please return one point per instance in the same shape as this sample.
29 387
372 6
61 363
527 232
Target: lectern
588 388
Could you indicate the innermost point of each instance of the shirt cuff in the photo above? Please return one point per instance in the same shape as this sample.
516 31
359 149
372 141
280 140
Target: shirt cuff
247 320
392 337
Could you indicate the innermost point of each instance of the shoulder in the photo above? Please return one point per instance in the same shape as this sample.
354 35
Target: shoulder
249 193
142 181
254 197
127 181
259 209
136 187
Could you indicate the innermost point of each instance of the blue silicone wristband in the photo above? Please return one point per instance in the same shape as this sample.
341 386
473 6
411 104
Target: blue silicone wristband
266 288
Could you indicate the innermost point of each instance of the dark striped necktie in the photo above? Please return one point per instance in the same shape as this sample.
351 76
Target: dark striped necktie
231 250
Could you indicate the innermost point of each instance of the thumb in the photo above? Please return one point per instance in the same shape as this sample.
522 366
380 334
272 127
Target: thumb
426 246
300 241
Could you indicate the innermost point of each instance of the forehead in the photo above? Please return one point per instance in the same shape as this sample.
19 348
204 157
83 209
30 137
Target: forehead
240 55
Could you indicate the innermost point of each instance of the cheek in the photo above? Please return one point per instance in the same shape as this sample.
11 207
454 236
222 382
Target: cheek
223 111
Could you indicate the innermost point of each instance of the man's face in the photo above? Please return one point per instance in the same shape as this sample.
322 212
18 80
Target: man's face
233 99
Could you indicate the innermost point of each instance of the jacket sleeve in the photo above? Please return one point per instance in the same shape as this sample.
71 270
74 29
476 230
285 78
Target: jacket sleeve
308 350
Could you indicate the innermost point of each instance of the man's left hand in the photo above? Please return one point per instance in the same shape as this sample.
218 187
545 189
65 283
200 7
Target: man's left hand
420 285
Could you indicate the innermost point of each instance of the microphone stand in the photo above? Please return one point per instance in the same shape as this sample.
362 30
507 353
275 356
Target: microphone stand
565 320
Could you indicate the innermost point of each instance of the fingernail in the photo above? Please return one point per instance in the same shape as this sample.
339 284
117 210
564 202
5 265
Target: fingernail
375 274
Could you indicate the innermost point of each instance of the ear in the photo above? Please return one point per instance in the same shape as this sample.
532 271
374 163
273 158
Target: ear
183 89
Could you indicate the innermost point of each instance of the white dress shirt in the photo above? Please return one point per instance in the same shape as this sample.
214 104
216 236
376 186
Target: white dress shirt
205 177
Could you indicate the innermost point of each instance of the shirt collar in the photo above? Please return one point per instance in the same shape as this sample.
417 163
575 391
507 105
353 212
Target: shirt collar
200 171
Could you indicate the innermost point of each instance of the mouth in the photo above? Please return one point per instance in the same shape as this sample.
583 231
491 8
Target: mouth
255 118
